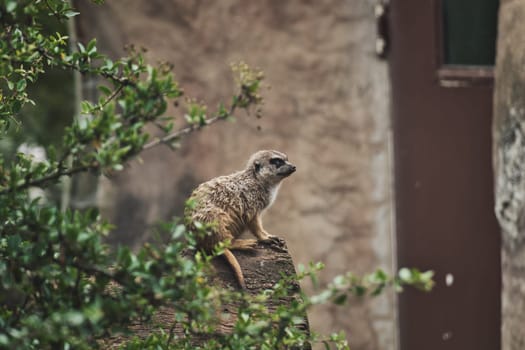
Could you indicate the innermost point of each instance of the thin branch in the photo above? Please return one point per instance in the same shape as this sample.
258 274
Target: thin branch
110 98
113 77
189 129
159 125
54 176
179 133
63 158
94 271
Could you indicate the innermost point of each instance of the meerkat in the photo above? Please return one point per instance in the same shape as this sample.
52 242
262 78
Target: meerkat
235 202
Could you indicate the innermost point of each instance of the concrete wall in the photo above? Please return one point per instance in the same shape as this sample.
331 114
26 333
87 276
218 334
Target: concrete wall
509 165
328 109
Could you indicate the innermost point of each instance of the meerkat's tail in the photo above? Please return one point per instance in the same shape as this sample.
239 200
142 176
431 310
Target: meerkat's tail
232 261
243 244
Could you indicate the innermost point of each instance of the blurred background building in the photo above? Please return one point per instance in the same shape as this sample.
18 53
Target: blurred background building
328 109
397 113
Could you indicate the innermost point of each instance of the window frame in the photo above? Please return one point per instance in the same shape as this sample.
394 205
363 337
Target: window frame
453 75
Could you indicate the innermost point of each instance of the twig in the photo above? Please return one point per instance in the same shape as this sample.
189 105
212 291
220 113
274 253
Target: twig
56 175
110 97
113 77
63 158
189 129
179 133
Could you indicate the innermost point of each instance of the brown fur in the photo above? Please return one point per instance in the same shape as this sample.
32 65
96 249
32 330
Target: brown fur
235 202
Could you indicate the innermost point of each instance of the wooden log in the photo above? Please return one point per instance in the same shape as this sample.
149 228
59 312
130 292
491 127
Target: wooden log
262 268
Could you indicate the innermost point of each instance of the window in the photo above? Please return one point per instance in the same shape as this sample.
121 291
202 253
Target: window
468 33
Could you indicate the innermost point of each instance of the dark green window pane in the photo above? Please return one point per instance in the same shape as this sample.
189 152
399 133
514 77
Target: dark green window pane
470 28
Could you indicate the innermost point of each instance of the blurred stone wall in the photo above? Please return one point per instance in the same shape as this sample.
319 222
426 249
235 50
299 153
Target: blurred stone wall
328 109
509 166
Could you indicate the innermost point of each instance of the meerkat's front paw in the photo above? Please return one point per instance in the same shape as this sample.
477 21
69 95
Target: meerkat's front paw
274 240
276 243
268 238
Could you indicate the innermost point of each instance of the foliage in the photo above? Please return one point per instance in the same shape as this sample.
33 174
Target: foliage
54 104
61 287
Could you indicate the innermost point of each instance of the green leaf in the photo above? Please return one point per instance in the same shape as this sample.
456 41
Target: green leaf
17 105
21 85
105 90
223 113
178 232
339 281
118 167
405 274
86 107
71 13
244 316
11 6
13 243
359 290
74 318
340 299
91 46
380 275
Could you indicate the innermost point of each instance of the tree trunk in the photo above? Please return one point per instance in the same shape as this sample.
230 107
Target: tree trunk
262 268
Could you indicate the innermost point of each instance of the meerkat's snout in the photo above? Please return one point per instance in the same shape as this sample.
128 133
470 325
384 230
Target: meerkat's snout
287 170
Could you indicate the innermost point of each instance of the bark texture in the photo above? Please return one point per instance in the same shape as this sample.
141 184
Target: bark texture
262 268
509 166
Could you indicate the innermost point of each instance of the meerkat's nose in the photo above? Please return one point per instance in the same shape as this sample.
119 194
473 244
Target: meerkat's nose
294 168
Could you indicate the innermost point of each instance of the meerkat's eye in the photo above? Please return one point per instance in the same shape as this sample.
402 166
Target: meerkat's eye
277 162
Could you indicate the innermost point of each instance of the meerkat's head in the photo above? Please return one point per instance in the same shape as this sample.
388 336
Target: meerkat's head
270 166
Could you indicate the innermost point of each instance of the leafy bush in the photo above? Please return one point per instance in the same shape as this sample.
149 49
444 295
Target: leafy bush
57 277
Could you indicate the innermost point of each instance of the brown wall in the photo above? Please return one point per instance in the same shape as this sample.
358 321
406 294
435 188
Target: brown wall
327 109
509 165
